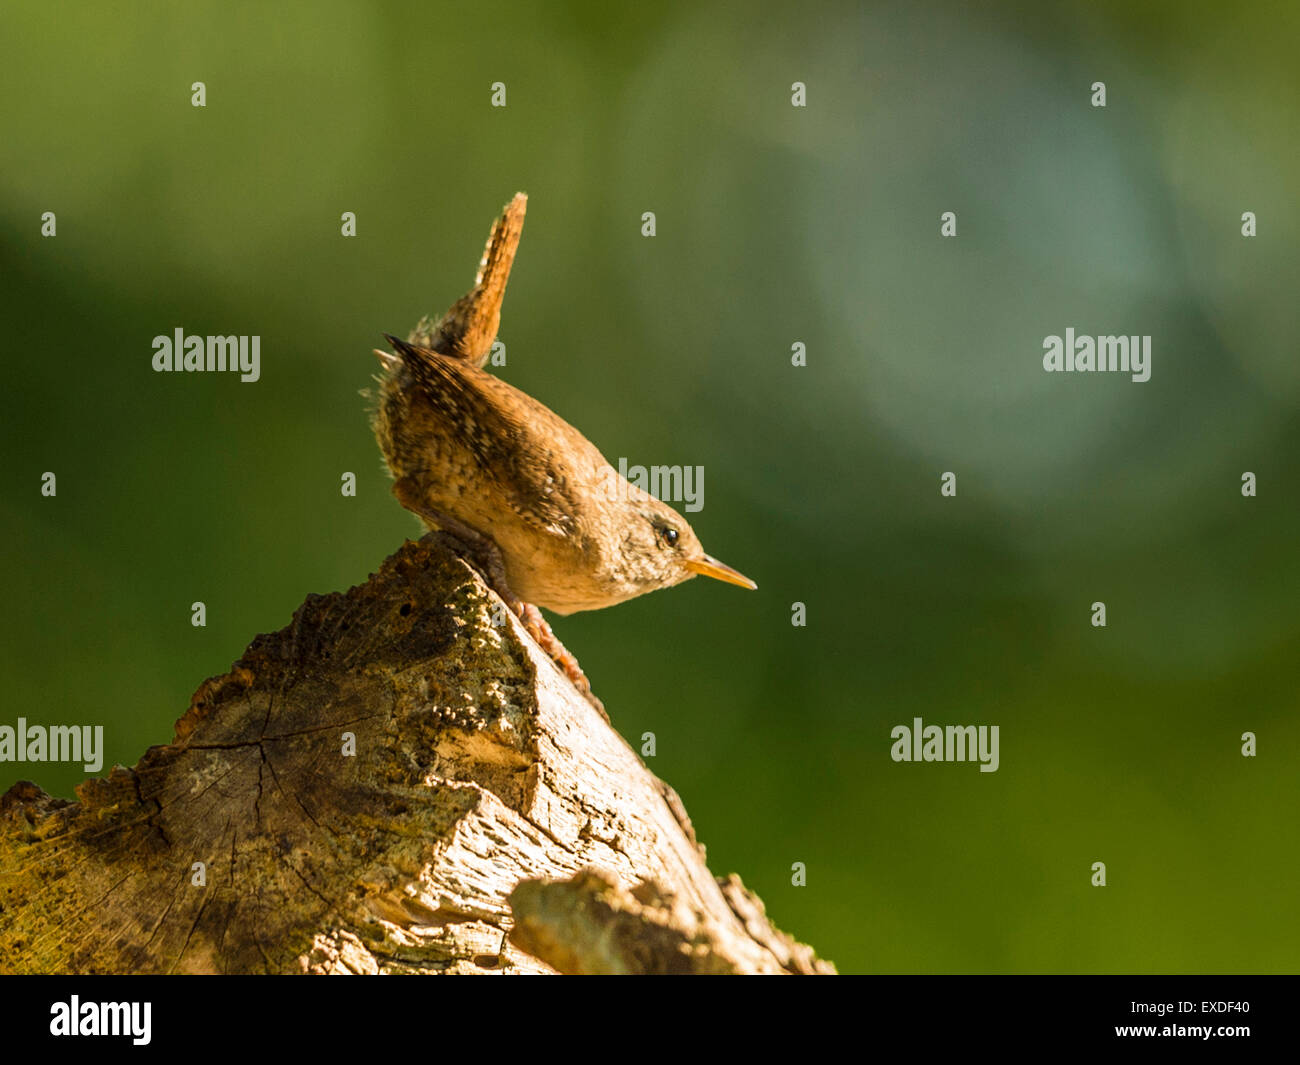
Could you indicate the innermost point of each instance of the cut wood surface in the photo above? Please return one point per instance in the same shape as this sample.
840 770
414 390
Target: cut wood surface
400 781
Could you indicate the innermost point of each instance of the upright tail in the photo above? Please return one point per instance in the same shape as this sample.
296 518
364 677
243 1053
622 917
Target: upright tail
467 330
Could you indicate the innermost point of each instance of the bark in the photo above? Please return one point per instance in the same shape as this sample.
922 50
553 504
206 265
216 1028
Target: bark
488 820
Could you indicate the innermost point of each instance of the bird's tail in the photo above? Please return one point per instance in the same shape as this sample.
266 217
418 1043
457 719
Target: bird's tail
468 329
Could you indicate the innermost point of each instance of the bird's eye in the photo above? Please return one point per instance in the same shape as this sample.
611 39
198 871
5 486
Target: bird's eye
670 536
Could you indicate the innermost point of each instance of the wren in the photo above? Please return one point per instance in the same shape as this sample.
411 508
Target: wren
540 510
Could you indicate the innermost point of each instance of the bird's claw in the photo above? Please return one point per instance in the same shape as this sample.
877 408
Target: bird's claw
536 627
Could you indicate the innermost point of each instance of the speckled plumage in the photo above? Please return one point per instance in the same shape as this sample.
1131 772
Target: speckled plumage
466 447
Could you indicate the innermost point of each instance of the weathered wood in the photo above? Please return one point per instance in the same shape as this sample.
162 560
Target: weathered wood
480 778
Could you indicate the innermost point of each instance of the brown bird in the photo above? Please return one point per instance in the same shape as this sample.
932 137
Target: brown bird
543 513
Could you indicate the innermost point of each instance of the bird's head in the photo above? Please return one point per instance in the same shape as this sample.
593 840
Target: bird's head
660 548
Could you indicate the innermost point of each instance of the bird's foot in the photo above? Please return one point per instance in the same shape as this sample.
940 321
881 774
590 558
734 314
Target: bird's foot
540 631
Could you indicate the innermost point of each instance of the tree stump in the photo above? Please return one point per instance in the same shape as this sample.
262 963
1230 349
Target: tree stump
400 781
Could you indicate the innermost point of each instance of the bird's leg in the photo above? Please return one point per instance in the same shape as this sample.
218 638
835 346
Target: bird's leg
485 556
540 631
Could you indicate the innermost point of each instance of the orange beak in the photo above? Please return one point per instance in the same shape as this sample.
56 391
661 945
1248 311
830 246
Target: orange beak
711 567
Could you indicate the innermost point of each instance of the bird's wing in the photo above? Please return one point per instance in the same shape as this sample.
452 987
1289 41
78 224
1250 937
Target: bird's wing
515 440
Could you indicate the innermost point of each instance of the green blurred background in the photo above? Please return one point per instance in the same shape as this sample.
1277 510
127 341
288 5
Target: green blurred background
775 225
